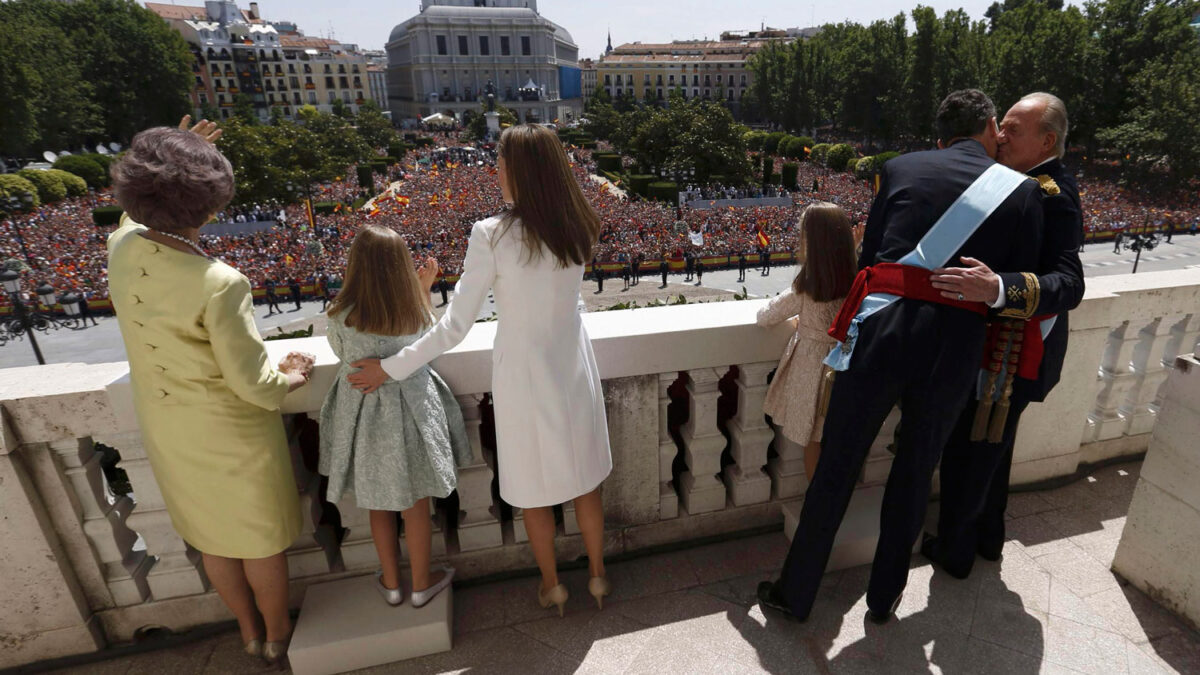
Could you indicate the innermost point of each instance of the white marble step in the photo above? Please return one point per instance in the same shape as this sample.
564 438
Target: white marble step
345 625
855 542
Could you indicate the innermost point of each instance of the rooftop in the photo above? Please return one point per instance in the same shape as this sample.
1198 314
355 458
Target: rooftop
1051 605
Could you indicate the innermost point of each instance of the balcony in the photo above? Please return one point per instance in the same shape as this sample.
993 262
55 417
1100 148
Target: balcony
695 463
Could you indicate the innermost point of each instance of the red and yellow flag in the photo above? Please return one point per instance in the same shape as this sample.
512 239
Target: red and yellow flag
763 240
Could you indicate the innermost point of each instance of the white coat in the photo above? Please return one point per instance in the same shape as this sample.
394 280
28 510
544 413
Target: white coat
551 430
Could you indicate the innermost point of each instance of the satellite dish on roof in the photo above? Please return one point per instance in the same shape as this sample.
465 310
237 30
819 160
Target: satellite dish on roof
49 156
114 146
101 149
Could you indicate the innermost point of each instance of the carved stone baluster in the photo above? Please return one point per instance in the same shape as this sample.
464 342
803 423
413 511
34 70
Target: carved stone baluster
314 550
478 515
703 443
1117 378
750 437
103 515
668 499
786 468
358 547
1184 331
177 571
1148 366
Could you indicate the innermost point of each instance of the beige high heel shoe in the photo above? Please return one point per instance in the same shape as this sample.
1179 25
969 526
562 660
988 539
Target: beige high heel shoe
599 587
275 653
554 596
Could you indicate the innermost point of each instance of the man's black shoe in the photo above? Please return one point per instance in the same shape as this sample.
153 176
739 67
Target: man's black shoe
769 596
881 618
990 552
931 549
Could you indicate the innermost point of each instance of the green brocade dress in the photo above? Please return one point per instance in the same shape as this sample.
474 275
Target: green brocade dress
397 445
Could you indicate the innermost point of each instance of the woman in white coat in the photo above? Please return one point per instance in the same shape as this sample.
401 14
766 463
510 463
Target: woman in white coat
551 430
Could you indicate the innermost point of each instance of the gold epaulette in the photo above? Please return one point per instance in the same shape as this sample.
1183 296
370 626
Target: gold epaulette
1048 185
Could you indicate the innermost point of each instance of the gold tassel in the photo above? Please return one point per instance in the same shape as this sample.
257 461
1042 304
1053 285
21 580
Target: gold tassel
983 412
825 393
1000 415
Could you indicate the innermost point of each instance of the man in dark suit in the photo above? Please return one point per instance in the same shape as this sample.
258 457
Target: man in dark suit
921 351
699 271
272 298
976 462
663 269
294 287
764 259
443 288
742 266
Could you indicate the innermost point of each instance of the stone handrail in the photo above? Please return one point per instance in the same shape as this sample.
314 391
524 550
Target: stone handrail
693 457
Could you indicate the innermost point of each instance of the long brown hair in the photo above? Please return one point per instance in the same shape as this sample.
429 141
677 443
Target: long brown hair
552 210
828 245
381 293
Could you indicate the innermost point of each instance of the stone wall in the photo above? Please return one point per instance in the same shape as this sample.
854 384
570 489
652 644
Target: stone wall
693 457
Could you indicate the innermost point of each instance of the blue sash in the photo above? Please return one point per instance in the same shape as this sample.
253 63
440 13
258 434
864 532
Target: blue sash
947 235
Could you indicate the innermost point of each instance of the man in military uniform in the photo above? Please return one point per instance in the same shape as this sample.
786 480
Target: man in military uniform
664 268
978 457
902 342
741 266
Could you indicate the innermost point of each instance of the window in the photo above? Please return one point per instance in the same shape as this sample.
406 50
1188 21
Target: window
462 45
312 97
328 69
607 79
484 47
345 97
695 80
199 81
296 97
646 81
718 78
659 81
526 50
695 93
441 45
671 80
343 82
743 79
203 99
329 82
332 96
294 81
504 48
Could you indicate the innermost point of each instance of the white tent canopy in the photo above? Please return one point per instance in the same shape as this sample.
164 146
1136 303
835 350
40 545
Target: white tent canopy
438 118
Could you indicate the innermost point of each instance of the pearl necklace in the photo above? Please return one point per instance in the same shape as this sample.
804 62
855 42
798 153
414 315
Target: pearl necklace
190 244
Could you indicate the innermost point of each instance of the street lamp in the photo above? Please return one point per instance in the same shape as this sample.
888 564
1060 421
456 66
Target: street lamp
13 204
26 321
1141 241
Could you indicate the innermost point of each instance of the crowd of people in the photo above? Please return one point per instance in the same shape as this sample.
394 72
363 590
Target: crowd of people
438 192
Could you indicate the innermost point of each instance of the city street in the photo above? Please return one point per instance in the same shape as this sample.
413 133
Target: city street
102 344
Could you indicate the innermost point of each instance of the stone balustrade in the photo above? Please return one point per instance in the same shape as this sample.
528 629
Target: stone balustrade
86 562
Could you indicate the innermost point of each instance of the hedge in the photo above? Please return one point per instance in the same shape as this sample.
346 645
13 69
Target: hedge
15 186
76 186
50 187
851 165
105 161
790 171
379 166
754 139
87 169
884 157
768 170
664 191
365 176
640 183
107 216
398 149
771 142
864 168
818 152
357 204
838 156
424 141
324 208
608 161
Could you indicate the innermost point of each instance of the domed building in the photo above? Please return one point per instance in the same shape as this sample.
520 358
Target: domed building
442 59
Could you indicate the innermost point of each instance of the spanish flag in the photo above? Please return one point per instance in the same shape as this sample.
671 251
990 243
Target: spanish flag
763 240
374 212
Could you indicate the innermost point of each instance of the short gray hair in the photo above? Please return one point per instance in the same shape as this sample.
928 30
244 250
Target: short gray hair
1054 119
171 179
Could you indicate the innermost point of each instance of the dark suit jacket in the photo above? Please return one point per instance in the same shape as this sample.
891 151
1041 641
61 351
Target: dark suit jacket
1056 285
915 190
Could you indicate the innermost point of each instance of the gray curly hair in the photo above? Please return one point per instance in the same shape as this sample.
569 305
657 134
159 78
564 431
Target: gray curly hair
171 179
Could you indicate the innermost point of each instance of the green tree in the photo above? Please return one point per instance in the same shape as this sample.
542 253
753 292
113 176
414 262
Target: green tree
375 129
691 134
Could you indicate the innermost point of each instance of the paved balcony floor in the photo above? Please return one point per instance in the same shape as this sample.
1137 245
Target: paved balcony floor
1051 605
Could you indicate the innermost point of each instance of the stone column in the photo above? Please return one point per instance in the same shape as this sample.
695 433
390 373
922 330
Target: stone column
478 521
1148 366
45 609
750 437
702 444
103 516
1117 378
668 500
177 571
786 468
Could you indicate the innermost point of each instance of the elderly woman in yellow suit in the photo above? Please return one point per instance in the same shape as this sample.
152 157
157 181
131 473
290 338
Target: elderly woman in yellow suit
206 397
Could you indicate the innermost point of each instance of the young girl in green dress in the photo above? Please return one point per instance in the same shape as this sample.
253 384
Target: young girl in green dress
398 446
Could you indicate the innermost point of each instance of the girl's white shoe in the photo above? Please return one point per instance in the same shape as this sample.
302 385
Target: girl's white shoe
393 596
421 598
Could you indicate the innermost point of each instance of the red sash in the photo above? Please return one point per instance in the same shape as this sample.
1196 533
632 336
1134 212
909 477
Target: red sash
905 281
1032 346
